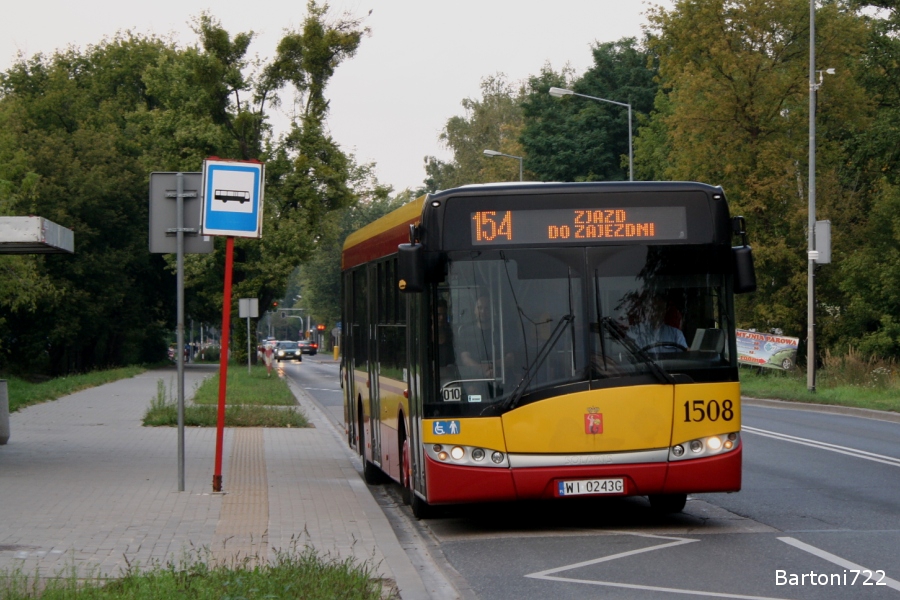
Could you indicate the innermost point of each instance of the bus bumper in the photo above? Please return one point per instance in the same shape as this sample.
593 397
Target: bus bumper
451 484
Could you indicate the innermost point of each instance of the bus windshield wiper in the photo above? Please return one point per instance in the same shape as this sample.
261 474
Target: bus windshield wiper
622 337
542 355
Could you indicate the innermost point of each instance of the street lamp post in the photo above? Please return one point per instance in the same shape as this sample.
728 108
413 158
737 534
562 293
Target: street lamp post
560 92
811 253
493 153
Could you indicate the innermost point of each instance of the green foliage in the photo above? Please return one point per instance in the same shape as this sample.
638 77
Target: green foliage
77 164
733 111
254 388
252 400
493 122
81 130
238 415
579 139
845 380
294 573
320 276
24 393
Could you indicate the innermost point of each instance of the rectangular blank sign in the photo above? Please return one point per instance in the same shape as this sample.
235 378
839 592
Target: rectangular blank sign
163 215
248 308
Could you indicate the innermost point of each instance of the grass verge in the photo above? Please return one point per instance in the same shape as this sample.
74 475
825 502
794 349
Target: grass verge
792 386
253 388
294 574
23 393
252 400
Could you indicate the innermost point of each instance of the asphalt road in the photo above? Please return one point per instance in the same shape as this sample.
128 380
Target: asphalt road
818 517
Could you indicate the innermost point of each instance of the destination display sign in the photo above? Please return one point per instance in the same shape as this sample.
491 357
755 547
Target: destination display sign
585 225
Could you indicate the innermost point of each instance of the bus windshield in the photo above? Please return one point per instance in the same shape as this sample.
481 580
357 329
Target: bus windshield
511 324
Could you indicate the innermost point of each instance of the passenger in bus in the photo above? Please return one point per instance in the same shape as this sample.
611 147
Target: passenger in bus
477 341
443 335
480 343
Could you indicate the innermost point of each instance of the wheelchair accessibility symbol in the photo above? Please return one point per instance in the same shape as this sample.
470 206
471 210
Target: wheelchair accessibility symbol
445 427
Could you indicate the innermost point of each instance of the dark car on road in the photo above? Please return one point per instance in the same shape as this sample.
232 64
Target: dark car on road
288 351
308 347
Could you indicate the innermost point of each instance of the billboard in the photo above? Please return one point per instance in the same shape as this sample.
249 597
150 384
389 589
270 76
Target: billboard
766 350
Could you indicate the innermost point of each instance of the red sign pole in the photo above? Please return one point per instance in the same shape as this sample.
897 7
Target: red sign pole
223 362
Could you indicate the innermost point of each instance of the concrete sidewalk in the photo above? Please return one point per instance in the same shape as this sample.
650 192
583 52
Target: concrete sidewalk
83 484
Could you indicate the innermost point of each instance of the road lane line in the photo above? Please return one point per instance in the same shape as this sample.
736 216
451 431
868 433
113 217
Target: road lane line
677 542
891 583
548 575
879 458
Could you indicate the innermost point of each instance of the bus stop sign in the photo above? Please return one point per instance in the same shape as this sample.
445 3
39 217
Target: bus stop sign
232 198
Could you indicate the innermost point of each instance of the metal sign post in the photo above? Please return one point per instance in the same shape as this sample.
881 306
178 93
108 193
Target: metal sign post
181 239
232 206
248 309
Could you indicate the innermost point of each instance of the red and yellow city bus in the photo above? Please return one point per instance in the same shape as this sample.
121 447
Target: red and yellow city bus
526 341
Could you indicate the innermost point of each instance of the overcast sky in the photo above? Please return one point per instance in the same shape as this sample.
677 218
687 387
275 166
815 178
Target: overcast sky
390 102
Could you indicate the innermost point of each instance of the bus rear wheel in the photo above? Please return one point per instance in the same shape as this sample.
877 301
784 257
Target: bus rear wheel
371 474
667 504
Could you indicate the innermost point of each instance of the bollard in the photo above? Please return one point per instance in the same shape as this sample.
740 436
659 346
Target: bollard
336 352
4 413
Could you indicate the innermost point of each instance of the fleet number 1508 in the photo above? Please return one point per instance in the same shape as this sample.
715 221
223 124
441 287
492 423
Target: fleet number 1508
708 410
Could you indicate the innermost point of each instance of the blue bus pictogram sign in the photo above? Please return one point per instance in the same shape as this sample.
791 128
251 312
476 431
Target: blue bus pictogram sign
232 198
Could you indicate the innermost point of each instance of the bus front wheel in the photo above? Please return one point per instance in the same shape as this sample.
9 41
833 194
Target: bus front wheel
667 504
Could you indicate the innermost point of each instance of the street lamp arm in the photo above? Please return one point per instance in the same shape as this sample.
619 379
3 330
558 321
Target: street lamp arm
602 100
493 153
560 92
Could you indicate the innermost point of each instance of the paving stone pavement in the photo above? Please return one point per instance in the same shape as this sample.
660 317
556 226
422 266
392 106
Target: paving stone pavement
84 485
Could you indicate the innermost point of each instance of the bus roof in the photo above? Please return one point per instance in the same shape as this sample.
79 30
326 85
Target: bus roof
381 237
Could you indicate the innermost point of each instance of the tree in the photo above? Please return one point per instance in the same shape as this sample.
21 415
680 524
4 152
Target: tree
868 274
77 163
493 122
83 129
732 111
321 275
306 171
578 139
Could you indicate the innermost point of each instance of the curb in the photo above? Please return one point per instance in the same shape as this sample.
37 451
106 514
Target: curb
862 413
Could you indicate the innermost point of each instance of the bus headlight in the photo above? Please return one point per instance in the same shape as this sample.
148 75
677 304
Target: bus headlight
466 456
704 447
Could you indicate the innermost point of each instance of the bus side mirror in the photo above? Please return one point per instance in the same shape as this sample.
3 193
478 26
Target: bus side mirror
744 272
411 268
